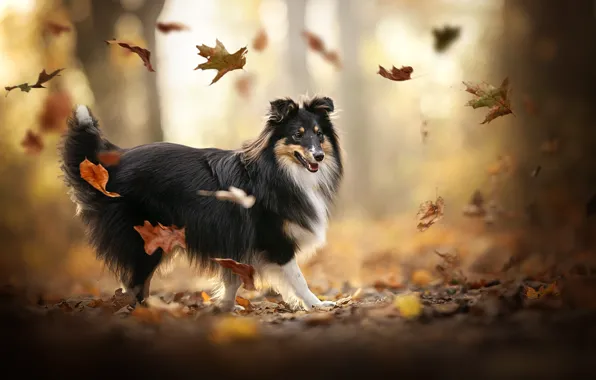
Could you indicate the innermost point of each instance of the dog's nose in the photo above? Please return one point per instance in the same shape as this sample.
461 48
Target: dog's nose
319 156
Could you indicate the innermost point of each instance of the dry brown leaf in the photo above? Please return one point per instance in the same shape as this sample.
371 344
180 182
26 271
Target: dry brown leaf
233 194
166 238
56 109
245 271
261 40
429 213
97 176
32 142
42 78
496 99
396 74
246 304
167 27
219 59
147 315
316 44
445 37
109 157
144 54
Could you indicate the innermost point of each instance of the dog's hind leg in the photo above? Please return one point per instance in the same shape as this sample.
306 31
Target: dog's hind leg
226 294
138 280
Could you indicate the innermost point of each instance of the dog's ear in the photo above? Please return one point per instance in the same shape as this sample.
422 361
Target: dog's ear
317 104
281 109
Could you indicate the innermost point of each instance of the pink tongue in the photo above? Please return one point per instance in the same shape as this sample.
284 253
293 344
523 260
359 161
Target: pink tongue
313 166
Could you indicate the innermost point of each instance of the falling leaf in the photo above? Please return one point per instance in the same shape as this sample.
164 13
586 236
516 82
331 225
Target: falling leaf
167 27
41 79
550 146
408 305
536 171
445 37
97 176
261 40
56 109
144 54
56 28
233 194
229 329
396 74
496 99
429 213
424 131
109 157
245 271
244 303
166 238
244 85
316 44
219 59
32 143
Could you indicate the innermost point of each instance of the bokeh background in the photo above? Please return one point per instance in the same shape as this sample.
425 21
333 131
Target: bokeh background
546 48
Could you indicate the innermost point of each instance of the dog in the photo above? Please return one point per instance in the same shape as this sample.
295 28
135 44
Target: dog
293 169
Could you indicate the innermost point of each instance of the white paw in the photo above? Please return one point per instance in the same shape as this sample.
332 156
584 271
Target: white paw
327 304
238 308
230 307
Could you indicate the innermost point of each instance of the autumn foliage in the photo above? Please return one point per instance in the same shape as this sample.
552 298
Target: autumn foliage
97 176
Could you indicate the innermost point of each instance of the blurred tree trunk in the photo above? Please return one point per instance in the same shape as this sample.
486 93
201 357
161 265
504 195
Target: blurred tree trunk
300 79
106 82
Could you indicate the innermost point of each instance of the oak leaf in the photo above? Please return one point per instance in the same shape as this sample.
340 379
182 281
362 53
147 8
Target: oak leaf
445 37
144 54
219 59
56 28
167 27
233 194
109 157
42 78
32 143
495 99
396 74
159 236
261 40
245 271
97 176
316 44
429 213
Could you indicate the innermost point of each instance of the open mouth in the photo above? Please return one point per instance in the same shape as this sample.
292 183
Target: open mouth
311 167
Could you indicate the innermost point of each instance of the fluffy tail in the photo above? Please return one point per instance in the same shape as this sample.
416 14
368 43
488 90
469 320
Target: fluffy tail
83 141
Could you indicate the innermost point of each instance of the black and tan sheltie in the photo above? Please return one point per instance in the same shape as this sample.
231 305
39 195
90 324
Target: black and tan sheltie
293 168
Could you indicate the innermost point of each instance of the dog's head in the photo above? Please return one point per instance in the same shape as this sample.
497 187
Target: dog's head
304 135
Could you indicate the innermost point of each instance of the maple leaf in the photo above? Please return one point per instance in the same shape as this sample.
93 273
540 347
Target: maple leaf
233 194
32 143
56 109
445 37
396 74
159 236
245 271
56 28
316 44
167 27
41 79
261 40
429 213
219 59
144 54
97 176
110 157
495 99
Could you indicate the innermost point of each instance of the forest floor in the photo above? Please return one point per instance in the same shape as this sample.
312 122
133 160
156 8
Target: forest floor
517 329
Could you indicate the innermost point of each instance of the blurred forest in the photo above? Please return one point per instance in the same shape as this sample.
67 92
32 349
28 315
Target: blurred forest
406 142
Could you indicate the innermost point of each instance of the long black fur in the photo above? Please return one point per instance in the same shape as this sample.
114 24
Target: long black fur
159 182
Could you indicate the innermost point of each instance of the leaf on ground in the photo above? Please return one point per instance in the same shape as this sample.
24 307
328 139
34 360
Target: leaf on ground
408 305
97 176
231 329
245 271
445 37
246 304
32 143
399 75
205 297
219 59
390 283
144 54
41 80
56 109
159 236
148 315
167 27
244 85
318 319
429 213
109 157
495 99
316 44
233 194
56 28
450 268
550 290
260 41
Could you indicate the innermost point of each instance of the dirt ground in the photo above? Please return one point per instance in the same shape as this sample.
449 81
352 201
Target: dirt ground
515 329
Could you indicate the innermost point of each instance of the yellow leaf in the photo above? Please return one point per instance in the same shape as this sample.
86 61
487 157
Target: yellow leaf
408 305
531 293
230 329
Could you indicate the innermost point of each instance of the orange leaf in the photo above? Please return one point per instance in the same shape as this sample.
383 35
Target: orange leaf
109 158
245 271
167 27
244 303
261 40
56 110
97 176
166 238
316 44
205 297
32 143
144 54
396 74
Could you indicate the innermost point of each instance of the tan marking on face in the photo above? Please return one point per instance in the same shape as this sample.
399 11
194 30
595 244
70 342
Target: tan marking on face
285 152
327 147
301 129
316 128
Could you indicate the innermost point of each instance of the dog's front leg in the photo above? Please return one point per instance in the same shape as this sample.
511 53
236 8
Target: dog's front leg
291 284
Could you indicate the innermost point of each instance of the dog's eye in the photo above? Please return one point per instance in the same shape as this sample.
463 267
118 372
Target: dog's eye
319 133
298 135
